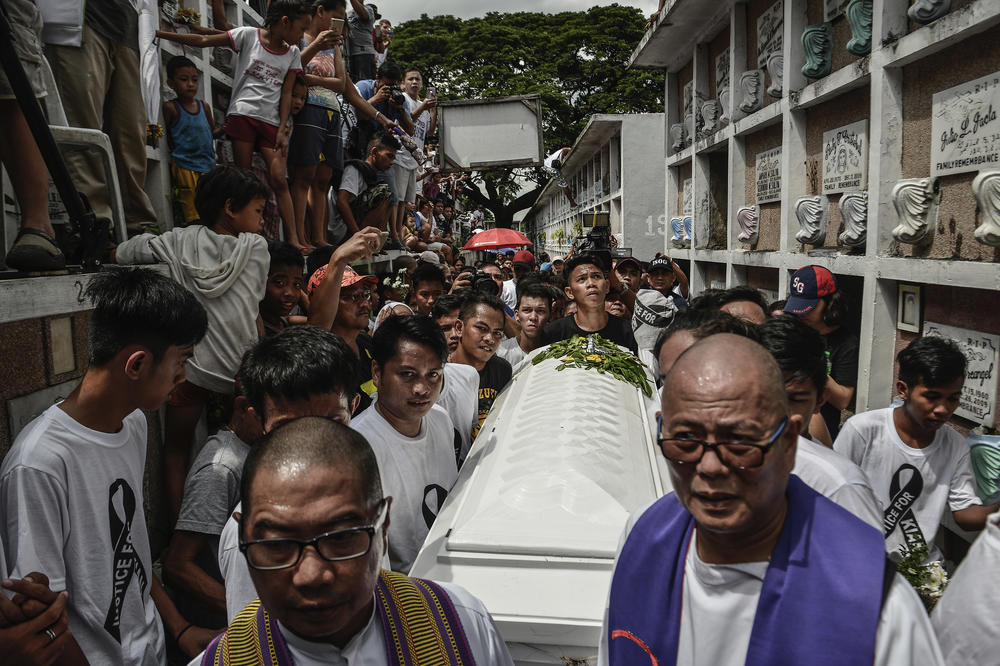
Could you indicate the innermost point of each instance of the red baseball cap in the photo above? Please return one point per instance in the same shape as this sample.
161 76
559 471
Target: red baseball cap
351 277
809 285
524 257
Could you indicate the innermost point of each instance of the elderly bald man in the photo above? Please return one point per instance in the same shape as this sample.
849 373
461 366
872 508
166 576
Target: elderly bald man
744 563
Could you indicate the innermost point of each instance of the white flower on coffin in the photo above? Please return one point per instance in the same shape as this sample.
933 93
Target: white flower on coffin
935 579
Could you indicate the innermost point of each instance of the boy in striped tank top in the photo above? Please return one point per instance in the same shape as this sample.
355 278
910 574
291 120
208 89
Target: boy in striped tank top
190 131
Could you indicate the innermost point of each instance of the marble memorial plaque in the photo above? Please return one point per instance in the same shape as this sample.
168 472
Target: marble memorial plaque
769 175
965 128
687 201
722 70
979 393
769 28
845 158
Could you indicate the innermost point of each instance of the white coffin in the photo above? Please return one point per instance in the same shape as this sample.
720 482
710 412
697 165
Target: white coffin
533 522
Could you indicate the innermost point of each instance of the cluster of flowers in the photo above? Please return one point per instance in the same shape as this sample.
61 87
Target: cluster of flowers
929 579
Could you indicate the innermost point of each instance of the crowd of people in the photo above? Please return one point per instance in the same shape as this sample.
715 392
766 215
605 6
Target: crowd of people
339 141
341 407
285 516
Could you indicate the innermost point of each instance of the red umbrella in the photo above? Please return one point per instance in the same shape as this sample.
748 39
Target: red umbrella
494 239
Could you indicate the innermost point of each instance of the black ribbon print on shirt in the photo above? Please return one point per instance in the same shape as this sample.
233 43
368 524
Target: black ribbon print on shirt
121 511
430 512
900 511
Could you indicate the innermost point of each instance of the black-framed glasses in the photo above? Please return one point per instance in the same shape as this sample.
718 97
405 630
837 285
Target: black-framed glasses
348 544
735 454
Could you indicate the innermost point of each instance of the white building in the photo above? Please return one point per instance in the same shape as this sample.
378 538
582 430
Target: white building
615 166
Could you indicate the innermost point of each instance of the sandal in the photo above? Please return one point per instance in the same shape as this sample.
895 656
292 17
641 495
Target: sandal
35 251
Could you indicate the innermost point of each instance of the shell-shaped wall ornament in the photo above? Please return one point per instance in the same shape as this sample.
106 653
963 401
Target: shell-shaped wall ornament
916 203
986 190
678 136
709 117
854 210
812 213
859 15
927 11
817 42
752 88
749 221
724 97
775 62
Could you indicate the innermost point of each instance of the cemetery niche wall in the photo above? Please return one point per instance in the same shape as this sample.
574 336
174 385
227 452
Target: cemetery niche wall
858 135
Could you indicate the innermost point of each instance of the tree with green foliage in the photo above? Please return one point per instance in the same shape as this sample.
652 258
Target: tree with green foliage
576 62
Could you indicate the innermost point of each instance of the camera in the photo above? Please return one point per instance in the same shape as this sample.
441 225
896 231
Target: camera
597 242
396 95
484 283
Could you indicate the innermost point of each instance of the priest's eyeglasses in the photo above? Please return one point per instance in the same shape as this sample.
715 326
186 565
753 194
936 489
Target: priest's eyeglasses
348 544
739 454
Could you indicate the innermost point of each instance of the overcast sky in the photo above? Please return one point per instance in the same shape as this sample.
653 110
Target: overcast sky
398 11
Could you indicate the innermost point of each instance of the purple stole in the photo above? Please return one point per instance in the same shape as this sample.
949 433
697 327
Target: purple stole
819 604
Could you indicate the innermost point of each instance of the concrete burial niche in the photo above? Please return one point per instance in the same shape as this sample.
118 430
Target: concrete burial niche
764 38
719 83
924 150
763 185
837 155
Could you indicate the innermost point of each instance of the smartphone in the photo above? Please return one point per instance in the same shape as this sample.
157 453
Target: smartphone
337 25
383 237
431 92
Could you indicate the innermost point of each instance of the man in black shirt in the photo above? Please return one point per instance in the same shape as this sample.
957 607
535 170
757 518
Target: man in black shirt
816 300
587 286
480 323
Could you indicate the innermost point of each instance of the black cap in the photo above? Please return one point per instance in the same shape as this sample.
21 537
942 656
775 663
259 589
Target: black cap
629 260
661 263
